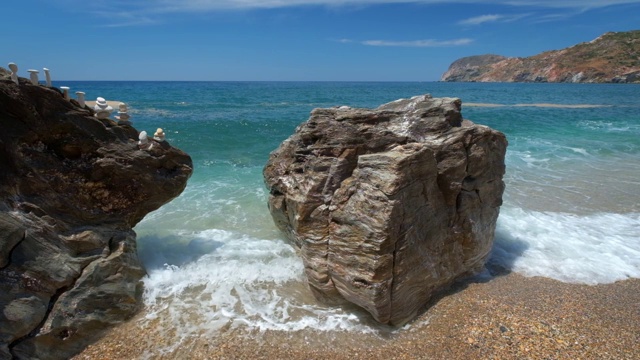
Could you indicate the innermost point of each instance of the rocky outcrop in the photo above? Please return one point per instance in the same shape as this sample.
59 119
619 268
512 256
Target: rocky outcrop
389 205
471 67
71 189
611 58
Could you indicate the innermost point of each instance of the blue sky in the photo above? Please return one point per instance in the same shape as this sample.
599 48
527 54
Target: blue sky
325 40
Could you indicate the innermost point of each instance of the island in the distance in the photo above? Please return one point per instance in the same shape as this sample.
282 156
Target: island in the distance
613 57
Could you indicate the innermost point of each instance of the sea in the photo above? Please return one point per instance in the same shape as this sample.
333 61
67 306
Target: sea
216 262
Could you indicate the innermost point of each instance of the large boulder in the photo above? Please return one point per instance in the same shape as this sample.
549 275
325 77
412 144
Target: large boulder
390 205
71 189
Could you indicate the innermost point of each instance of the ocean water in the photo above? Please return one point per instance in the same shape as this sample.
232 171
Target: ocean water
216 262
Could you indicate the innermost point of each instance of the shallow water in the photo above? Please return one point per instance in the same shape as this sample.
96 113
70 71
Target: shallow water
215 260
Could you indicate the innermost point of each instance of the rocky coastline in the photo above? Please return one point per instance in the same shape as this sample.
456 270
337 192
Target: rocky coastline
611 58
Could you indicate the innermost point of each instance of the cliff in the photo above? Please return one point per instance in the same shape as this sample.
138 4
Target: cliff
72 187
388 205
611 58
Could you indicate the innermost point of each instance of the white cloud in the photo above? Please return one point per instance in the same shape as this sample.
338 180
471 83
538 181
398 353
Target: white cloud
144 11
212 5
418 43
123 19
137 22
566 4
477 20
551 17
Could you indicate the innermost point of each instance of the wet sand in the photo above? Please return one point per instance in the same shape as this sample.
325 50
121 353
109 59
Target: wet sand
507 317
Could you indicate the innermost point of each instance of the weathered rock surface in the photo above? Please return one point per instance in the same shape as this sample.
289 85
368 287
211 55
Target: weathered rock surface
389 205
613 57
71 189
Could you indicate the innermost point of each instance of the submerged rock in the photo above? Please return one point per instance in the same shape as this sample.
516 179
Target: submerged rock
388 206
71 189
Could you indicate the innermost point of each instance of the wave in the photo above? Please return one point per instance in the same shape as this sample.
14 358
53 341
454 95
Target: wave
592 249
216 280
222 280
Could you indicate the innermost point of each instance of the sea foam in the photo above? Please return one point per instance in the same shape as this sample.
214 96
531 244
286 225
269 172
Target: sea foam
233 280
241 281
591 249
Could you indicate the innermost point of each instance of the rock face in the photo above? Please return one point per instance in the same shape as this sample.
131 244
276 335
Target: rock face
612 57
71 189
471 67
389 205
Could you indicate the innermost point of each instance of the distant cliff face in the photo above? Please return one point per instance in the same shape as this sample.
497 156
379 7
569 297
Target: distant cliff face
469 68
612 57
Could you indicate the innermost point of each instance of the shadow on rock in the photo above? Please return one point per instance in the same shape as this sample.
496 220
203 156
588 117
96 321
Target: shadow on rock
506 250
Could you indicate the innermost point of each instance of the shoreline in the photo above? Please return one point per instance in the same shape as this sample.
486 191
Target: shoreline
507 317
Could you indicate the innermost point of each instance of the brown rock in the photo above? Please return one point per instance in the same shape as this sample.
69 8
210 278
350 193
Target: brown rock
71 189
389 205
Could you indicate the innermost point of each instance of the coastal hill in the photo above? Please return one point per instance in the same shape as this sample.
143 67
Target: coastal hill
613 57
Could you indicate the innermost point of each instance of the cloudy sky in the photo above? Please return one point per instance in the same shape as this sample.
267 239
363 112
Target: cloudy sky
300 40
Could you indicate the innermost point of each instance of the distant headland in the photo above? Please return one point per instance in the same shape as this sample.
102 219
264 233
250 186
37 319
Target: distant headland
614 57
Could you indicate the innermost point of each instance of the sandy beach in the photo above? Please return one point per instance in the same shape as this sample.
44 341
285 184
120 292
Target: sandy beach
507 317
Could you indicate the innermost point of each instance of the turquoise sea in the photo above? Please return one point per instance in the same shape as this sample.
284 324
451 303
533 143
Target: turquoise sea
215 260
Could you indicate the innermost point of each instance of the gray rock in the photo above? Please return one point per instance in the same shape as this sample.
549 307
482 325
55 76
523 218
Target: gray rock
81 310
388 206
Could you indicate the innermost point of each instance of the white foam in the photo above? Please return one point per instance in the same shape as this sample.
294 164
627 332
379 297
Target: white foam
579 151
609 126
227 279
591 249
242 281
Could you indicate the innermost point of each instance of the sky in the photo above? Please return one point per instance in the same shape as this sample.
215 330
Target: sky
290 40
